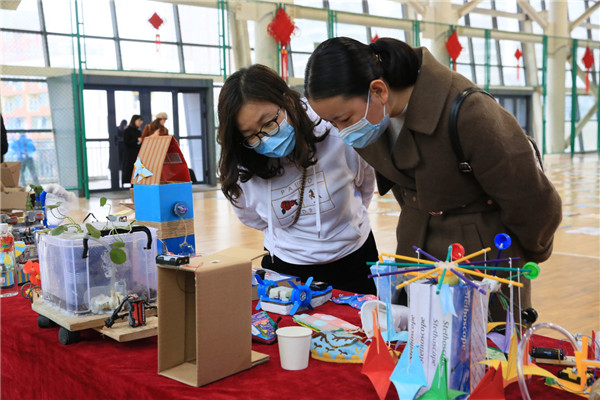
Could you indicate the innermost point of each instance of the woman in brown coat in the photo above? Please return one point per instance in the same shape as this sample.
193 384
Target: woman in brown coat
157 127
392 103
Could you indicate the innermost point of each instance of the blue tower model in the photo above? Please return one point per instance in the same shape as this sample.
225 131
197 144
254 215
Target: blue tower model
162 193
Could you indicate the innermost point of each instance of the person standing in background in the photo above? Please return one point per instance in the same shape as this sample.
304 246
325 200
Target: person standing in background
4 138
24 149
114 162
131 146
157 127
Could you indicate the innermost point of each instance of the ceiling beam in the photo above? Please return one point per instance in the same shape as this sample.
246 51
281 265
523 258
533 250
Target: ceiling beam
467 8
534 15
9 4
584 16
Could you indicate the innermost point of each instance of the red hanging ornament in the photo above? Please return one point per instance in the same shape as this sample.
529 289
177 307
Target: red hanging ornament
156 21
588 61
374 38
454 48
518 56
281 29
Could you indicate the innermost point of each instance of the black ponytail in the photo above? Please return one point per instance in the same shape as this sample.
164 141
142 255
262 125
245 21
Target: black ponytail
346 67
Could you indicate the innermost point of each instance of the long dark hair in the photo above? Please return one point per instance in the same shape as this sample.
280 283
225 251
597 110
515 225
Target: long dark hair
344 66
134 118
262 84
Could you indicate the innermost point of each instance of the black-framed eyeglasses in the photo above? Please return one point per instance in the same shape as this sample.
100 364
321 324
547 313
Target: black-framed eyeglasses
270 128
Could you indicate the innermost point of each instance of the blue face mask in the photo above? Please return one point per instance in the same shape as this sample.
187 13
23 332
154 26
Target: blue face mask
280 144
364 133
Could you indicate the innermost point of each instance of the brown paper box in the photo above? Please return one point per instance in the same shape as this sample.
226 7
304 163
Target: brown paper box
13 198
205 317
11 171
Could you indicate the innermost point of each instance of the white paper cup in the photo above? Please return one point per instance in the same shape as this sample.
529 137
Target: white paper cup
294 347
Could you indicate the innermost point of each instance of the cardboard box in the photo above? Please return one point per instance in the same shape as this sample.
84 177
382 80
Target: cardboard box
11 171
13 198
205 316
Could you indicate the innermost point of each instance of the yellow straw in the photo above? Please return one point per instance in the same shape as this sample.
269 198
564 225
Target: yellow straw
467 271
400 286
472 255
408 258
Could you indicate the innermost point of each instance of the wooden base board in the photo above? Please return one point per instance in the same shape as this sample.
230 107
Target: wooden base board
73 322
122 332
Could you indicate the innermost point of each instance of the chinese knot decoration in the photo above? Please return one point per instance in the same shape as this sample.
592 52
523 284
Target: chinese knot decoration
588 61
454 48
281 29
518 56
156 21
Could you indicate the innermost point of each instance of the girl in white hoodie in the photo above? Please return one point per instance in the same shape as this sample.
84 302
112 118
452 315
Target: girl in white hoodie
288 177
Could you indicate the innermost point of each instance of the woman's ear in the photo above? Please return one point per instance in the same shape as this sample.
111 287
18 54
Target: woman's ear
379 89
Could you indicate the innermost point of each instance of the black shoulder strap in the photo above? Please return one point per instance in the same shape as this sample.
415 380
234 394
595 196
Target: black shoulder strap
463 163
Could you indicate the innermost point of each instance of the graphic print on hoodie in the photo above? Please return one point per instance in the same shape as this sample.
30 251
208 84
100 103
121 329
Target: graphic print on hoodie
285 200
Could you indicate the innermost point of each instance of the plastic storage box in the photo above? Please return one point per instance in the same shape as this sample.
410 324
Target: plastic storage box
78 275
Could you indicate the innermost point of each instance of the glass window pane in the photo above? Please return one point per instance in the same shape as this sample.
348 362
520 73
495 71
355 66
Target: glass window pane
465 70
25 17
193 154
100 53
508 24
97 18
357 32
346 5
579 33
202 60
513 76
309 34
299 62
144 57
133 20
22 49
479 51
480 20
386 8
57 15
199 25
508 6
96 107
61 51
386 32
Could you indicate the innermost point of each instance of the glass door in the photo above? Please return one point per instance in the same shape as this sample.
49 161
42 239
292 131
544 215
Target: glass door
99 155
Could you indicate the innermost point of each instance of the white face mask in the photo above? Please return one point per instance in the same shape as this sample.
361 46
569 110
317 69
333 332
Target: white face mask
364 133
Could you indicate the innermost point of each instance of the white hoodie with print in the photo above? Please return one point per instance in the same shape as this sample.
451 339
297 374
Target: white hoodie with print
333 221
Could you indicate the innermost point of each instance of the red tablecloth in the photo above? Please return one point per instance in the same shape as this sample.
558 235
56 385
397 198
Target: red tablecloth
34 365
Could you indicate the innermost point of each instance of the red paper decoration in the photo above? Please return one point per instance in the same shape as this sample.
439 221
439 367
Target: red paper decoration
454 48
518 55
374 38
156 21
281 29
588 61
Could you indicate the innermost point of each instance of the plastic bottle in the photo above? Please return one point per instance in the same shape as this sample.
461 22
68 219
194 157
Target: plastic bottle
7 263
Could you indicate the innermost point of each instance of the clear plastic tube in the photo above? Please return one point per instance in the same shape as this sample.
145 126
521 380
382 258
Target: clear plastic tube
523 346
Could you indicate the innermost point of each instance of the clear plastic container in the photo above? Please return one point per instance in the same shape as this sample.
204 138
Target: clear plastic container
8 285
78 275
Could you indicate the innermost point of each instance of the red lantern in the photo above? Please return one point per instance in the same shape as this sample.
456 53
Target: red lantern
281 29
454 48
588 61
156 21
518 55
